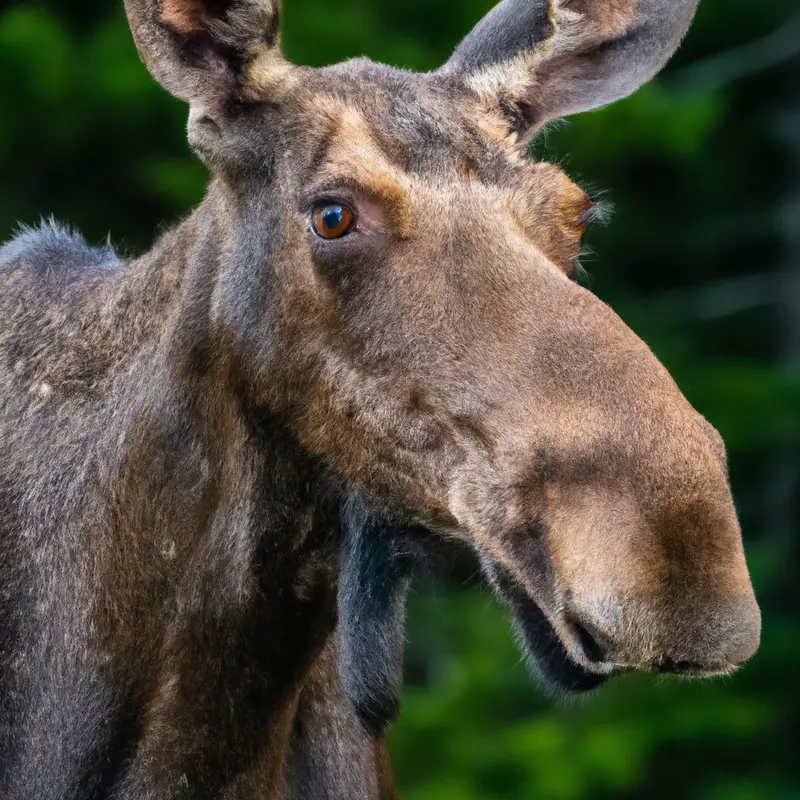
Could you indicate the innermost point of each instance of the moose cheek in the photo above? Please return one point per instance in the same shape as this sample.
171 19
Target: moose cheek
348 265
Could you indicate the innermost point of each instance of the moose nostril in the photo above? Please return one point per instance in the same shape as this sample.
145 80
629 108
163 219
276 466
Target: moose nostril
592 650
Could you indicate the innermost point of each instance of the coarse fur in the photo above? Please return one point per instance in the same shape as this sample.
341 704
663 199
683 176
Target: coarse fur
57 248
222 461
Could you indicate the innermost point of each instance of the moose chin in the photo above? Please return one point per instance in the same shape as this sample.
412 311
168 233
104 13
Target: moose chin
222 462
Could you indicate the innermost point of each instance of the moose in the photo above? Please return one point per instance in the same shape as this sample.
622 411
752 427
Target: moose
222 462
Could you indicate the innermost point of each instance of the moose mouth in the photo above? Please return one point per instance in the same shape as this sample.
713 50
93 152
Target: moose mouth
547 654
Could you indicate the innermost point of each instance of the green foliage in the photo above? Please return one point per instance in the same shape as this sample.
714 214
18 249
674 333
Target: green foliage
474 725
696 259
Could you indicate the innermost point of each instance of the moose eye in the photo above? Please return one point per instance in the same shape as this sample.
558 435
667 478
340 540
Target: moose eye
332 221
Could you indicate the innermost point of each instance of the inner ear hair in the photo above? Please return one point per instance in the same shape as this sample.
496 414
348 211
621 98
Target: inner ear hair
378 562
237 31
183 17
256 19
205 49
552 58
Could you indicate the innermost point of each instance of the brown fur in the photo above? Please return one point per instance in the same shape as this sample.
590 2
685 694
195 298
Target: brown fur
183 433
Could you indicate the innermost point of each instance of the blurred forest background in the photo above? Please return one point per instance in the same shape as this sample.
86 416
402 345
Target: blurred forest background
702 258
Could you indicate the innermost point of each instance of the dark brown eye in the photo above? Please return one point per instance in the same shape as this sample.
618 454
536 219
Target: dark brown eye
332 221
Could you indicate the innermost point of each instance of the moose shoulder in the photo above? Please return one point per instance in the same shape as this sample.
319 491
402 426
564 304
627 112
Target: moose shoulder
221 462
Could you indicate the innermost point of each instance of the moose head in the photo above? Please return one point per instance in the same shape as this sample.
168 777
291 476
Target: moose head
396 281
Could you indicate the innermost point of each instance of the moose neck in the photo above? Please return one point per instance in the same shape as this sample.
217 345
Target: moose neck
258 488
225 516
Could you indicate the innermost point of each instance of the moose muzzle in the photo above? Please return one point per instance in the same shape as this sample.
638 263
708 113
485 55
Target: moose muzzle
618 575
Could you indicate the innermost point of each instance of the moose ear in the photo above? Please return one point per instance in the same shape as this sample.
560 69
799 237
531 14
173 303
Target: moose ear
377 566
550 58
206 49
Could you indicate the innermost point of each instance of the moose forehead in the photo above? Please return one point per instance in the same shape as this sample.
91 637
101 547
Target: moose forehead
419 124
399 137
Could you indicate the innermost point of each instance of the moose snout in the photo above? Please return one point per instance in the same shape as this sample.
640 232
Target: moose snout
746 637
674 638
653 586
